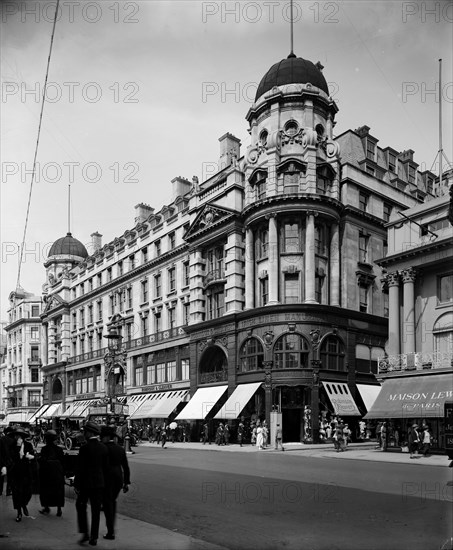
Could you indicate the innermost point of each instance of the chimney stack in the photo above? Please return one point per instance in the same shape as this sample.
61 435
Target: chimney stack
181 186
142 212
230 147
96 241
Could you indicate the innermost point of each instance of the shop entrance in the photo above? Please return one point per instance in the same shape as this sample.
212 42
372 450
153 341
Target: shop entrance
291 424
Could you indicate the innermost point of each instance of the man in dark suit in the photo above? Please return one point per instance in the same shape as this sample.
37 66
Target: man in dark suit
90 481
118 477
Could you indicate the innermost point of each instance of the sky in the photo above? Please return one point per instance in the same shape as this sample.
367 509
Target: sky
140 91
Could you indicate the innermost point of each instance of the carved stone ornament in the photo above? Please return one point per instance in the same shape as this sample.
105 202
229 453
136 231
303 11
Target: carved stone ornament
252 155
268 338
291 139
315 335
309 138
331 148
393 279
274 139
268 378
408 275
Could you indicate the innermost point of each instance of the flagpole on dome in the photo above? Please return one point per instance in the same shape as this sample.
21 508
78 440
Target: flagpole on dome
292 54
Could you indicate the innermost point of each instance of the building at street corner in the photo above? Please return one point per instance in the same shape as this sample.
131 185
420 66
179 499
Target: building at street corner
417 370
255 290
21 373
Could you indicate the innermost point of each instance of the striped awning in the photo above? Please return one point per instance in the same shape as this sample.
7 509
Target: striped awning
38 413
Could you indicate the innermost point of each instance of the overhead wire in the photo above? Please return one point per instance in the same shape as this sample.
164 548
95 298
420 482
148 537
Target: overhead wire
21 255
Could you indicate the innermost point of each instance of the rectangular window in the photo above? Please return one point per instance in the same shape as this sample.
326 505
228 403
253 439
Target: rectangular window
99 306
34 333
392 162
120 269
445 288
129 297
363 299
78 385
82 345
363 201
171 240
144 290
139 376
387 211
157 285
319 285
185 369
34 398
144 326
129 331
99 280
90 284
363 248
112 304
171 371
262 243
35 311
411 174
320 240
34 374
172 317
215 304
160 373
131 262
291 239
291 288
172 279
144 255
264 291
82 317
370 149
157 248
90 384
109 274
90 342
157 322
151 374
322 183
186 274
98 382
90 314
261 189
186 313
74 348
385 248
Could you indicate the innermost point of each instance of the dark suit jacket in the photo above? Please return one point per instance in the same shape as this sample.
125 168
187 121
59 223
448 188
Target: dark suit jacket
92 467
119 472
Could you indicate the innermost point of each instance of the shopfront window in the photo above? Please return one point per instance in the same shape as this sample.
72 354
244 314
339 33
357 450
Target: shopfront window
251 355
332 354
291 352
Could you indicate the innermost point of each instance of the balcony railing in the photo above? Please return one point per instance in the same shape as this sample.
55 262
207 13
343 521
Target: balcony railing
34 362
415 361
211 377
160 336
213 276
95 354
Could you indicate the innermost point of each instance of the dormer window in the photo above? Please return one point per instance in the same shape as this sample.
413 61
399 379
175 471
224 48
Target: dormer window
411 174
392 162
370 150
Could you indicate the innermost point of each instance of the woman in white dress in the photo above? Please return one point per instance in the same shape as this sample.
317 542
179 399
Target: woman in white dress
259 438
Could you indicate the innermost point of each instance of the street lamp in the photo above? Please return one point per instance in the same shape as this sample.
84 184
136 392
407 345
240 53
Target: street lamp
115 360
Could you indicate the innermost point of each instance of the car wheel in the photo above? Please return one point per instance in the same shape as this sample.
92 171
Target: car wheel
68 443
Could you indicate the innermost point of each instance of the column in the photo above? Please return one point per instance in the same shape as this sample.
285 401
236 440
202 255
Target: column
408 336
335 265
268 391
249 269
314 405
394 313
197 298
310 259
234 272
273 261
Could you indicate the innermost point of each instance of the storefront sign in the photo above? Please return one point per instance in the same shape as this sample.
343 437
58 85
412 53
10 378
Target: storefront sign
158 387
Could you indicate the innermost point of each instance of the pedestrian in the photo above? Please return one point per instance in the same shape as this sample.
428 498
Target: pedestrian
339 438
205 435
226 434
118 477
426 440
240 433
414 440
4 459
346 435
265 434
90 481
163 435
220 435
384 436
278 438
254 434
20 472
259 438
378 433
51 475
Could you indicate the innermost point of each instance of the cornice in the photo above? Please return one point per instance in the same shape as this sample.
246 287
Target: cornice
419 251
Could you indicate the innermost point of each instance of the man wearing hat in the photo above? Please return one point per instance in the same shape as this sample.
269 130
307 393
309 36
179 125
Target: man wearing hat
90 482
118 477
20 471
51 475
414 440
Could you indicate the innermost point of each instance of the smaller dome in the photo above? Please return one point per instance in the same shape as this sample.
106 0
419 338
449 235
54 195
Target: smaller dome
292 70
68 246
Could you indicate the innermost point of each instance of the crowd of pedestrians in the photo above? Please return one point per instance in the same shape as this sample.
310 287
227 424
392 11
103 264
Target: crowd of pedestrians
102 471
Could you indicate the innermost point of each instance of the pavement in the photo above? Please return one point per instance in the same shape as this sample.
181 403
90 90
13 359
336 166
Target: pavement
37 532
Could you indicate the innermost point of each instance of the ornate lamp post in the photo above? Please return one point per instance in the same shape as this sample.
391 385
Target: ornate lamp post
115 362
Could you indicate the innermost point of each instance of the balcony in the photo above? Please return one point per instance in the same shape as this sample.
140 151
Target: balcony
34 362
415 362
214 276
161 336
212 377
95 354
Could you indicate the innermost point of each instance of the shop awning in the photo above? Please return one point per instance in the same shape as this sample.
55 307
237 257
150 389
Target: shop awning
201 403
134 401
368 394
38 413
412 397
168 403
78 409
341 398
237 401
17 417
52 411
146 406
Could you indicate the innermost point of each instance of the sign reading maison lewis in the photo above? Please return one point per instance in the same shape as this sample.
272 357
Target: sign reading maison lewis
413 401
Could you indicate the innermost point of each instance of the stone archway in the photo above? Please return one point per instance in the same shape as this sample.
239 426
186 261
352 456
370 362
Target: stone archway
57 390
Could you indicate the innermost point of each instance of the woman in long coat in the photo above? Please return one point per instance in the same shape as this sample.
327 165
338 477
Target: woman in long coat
20 472
51 475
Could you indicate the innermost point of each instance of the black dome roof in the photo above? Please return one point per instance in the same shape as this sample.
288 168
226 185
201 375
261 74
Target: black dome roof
68 246
292 70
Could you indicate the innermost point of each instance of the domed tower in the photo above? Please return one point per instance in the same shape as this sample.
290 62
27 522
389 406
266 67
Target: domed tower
292 199
64 254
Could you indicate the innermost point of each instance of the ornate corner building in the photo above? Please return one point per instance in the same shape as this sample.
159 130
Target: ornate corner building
264 274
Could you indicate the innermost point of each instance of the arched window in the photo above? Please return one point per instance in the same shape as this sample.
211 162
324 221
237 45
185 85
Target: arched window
213 366
332 354
291 352
251 355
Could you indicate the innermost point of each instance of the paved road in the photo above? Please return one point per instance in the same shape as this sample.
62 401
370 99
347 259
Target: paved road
269 500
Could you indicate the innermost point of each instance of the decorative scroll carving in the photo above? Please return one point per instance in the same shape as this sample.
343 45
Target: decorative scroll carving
408 275
393 279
